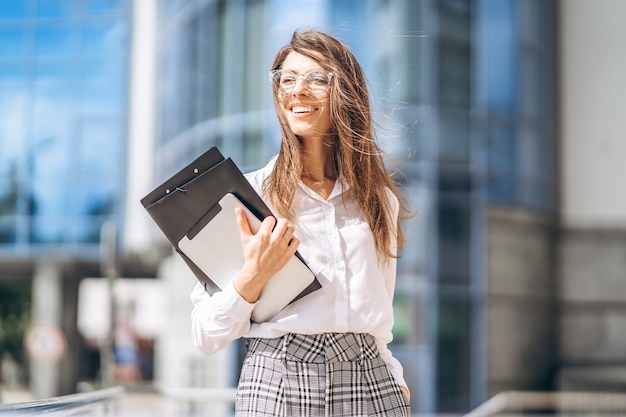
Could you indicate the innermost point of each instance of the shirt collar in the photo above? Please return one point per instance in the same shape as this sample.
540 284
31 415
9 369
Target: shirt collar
339 188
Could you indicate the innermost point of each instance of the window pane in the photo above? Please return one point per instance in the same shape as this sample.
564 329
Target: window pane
14 103
102 99
454 239
104 38
454 19
95 197
252 147
56 8
8 230
14 72
14 9
9 182
501 161
415 250
57 40
51 115
535 169
49 160
97 6
208 66
189 81
86 229
172 101
13 107
98 148
454 71
13 40
56 70
47 229
103 69
532 91
454 53
453 352
454 144
254 81
411 311
497 54
530 20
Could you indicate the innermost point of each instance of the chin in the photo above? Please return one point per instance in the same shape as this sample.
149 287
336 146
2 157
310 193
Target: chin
300 131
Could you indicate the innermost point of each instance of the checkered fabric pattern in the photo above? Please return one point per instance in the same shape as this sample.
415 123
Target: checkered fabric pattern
330 375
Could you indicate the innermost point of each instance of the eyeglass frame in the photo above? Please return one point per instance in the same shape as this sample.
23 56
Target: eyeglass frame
272 74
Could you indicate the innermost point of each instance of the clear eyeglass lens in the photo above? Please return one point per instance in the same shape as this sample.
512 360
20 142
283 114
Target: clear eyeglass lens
317 80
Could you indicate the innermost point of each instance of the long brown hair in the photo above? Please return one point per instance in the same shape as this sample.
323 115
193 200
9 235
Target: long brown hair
358 157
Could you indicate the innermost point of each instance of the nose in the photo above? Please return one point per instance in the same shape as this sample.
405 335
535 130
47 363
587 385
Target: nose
299 86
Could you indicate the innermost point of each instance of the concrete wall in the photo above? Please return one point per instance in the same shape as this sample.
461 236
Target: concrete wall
592 300
592 253
519 295
593 112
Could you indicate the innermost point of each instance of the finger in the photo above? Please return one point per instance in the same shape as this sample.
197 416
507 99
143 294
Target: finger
282 227
294 243
242 222
267 225
284 231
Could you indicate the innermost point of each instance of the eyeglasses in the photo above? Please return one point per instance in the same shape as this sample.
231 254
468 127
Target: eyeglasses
316 80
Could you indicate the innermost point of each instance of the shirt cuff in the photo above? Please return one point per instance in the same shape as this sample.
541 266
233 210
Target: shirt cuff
233 304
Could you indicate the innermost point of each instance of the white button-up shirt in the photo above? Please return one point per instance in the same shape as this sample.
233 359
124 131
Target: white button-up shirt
338 245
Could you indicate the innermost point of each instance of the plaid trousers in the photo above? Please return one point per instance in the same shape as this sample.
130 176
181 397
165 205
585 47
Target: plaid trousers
330 375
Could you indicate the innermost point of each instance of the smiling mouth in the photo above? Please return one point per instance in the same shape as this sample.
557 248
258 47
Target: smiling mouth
303 109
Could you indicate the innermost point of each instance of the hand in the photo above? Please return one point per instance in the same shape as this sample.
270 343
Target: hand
265 253
406 393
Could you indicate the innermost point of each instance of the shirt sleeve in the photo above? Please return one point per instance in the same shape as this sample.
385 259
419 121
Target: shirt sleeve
395 368
218 319
384 333
389 274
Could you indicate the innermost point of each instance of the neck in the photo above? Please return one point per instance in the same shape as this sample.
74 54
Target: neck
319 162
319 176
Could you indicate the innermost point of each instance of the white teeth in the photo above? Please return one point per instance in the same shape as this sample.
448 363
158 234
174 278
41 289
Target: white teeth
302 109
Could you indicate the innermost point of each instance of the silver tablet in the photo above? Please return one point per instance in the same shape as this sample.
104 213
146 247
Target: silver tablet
216 249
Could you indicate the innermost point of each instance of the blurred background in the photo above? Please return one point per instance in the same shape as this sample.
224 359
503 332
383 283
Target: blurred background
504 120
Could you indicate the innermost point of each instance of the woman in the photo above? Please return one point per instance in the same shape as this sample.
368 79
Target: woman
325 354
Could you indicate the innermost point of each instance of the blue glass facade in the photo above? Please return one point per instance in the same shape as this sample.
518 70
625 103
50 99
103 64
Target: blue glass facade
515 94
63 94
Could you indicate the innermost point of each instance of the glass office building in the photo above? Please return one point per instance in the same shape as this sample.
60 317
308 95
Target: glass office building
63 93
63 100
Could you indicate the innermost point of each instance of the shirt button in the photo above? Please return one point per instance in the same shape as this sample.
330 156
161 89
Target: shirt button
342 299
341 266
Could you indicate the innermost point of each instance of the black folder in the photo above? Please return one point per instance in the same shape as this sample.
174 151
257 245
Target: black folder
185 204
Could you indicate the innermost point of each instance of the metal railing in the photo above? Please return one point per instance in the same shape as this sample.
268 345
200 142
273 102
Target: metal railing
515 403
67 405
